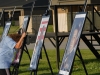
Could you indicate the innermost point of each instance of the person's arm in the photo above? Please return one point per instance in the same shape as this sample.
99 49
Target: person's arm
19 43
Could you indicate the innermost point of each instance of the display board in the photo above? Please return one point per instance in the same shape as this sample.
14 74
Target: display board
26 22
6 29
7 25
72 43
24 29
39 42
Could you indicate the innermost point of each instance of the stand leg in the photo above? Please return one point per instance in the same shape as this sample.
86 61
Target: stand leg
31 73
26 50
48 59
35 71
80 56
16 65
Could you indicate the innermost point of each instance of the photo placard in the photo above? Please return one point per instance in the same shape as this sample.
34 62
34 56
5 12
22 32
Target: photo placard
6 29
24 28
39 42
25 23
72 43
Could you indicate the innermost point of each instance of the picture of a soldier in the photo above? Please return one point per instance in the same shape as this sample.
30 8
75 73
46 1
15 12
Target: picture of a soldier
70 50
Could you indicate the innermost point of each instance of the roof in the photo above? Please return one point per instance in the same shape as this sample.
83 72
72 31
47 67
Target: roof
9 3
71 2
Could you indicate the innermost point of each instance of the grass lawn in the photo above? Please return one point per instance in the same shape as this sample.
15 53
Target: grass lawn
1 29
92 64
14 29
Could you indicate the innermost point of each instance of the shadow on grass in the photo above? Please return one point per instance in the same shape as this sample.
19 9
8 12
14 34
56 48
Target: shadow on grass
29 72
44 69
48 74
90 64
91 60
87 61
24 65
95 74
25 71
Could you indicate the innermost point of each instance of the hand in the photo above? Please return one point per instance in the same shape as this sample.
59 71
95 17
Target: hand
24 34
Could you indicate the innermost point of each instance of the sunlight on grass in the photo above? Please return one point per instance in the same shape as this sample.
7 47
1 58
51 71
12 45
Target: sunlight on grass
1 29
13 29
50 28
92 64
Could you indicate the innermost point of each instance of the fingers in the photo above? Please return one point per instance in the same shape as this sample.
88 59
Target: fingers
24 34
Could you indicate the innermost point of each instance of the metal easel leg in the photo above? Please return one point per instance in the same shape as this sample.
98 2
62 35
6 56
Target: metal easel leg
80 56
48 59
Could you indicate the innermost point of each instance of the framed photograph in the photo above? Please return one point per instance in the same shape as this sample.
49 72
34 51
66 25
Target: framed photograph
25 23
39 42
6 29
24 28
72 43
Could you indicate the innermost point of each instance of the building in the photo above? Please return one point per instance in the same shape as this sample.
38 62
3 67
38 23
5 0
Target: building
23 7
64 8
64 11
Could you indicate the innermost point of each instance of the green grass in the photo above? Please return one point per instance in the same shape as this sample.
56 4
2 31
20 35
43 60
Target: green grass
92 64
50 28
1 29
13 29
